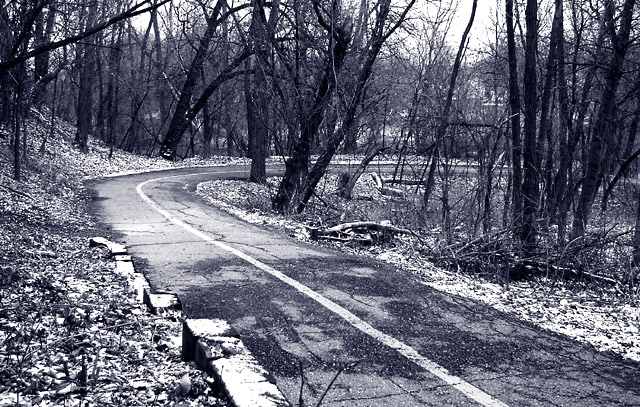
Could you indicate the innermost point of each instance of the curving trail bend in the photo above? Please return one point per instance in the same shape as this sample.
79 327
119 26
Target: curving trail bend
308 313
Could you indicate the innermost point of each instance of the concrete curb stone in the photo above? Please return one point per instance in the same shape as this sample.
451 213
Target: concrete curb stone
226 359
160 301
194 329
114 248
212 344
140 285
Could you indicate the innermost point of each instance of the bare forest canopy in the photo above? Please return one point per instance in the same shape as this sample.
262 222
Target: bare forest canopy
540 115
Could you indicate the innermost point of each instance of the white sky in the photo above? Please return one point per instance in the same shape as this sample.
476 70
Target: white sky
479 34
485 13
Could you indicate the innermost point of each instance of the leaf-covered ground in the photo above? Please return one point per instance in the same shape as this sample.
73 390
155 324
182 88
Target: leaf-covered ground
596 314
71 332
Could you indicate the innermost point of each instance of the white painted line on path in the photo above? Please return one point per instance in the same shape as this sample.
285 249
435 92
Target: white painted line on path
407 351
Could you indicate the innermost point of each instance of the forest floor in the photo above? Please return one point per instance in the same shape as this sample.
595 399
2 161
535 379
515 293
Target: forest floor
72 333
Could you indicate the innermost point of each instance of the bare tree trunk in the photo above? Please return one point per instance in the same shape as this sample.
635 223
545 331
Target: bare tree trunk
351 183
18 130
113 88
179 121
359 39
52 120
84 109
100 126
431 175
564 184
160 66
44 30
227 124
546 105
606 112
185 112
635 260
141 85
207 130
5 98
230 140
258 122
633 127
258 99
378 37
558 201
486 212
530 187
446 187
515 107
6 39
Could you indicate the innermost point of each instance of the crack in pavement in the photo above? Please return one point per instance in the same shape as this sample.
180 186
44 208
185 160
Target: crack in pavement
261 248
172 243
413 393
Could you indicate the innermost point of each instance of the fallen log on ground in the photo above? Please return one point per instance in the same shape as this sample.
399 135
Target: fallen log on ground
392 192
361 232
403 181
366 225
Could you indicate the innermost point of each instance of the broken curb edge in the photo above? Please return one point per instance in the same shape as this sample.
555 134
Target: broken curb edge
212 344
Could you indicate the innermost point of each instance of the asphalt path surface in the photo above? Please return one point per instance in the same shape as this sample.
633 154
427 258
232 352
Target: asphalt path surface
312 316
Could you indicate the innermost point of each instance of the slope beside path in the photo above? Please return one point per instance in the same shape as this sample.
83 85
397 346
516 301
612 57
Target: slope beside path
72 331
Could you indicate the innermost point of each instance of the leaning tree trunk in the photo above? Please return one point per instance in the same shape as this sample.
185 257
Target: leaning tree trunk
444 122
179 120
140 88
378 38
185 113
298 162
347 190
563 183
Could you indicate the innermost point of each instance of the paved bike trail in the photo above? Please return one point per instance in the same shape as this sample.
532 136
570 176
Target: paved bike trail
310 314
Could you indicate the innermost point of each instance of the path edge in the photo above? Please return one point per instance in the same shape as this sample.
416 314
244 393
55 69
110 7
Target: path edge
212 344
